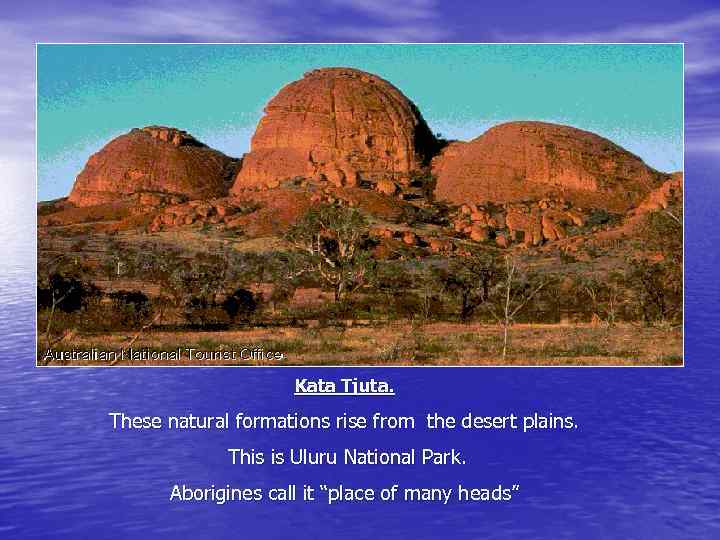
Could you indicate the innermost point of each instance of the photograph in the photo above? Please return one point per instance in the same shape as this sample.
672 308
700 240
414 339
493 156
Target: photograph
410 205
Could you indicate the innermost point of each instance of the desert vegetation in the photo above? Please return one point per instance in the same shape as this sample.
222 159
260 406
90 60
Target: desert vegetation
365 310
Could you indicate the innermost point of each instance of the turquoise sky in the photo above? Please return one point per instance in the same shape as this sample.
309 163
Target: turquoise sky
88 94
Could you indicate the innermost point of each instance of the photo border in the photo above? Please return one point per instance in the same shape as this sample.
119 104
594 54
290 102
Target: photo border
365 366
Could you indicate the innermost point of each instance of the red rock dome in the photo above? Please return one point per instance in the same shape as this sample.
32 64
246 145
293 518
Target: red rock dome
155 159
337 124
530 160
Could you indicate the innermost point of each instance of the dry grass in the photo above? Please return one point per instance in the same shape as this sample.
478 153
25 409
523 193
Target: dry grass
405 344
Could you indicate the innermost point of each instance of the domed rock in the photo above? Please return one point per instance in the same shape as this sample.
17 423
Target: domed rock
153 159
532 160
340 125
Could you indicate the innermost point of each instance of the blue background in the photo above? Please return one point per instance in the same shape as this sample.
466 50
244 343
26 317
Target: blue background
644 463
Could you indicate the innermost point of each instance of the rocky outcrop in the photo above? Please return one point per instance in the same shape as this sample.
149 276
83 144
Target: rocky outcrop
338 125
410 238
154 159
532 160
196 212
440 245
529 223
386 187
525 224
670 191
345 137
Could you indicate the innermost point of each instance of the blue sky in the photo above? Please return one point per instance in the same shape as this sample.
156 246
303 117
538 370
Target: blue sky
23 23
91 93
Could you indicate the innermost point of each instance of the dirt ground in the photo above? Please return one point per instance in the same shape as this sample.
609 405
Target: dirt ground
395 344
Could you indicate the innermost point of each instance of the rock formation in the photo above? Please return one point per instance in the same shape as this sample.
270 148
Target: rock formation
152 159
330 136
531 160
671 190
339 125
529 223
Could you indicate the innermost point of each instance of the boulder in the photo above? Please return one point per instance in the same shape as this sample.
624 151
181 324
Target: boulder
460 225
525 225
479 217
150 199
479 233
381 232
204 210
223 210
661 197
386 187
551 230
410 238
502 240
438 245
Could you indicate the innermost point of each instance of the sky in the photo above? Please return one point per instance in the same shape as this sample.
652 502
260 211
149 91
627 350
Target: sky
697 23
88 94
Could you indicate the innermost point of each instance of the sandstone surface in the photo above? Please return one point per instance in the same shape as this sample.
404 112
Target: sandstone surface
440 245
339 125
154 159
671 190
532 160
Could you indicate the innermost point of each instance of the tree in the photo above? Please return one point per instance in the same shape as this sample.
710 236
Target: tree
657 292
515 289
332 244
193 285
240 303
393 281
130 307
468 280
61 287
426 285
604 295
656 276
113 263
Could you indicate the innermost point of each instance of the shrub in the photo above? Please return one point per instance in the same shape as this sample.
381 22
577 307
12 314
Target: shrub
69 293
600 216
131 308
241 303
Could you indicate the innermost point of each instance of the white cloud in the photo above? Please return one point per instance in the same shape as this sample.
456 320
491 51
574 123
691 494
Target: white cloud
702 66
391 22
221 21
389 34
17 105
407 11
708 145
701 24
